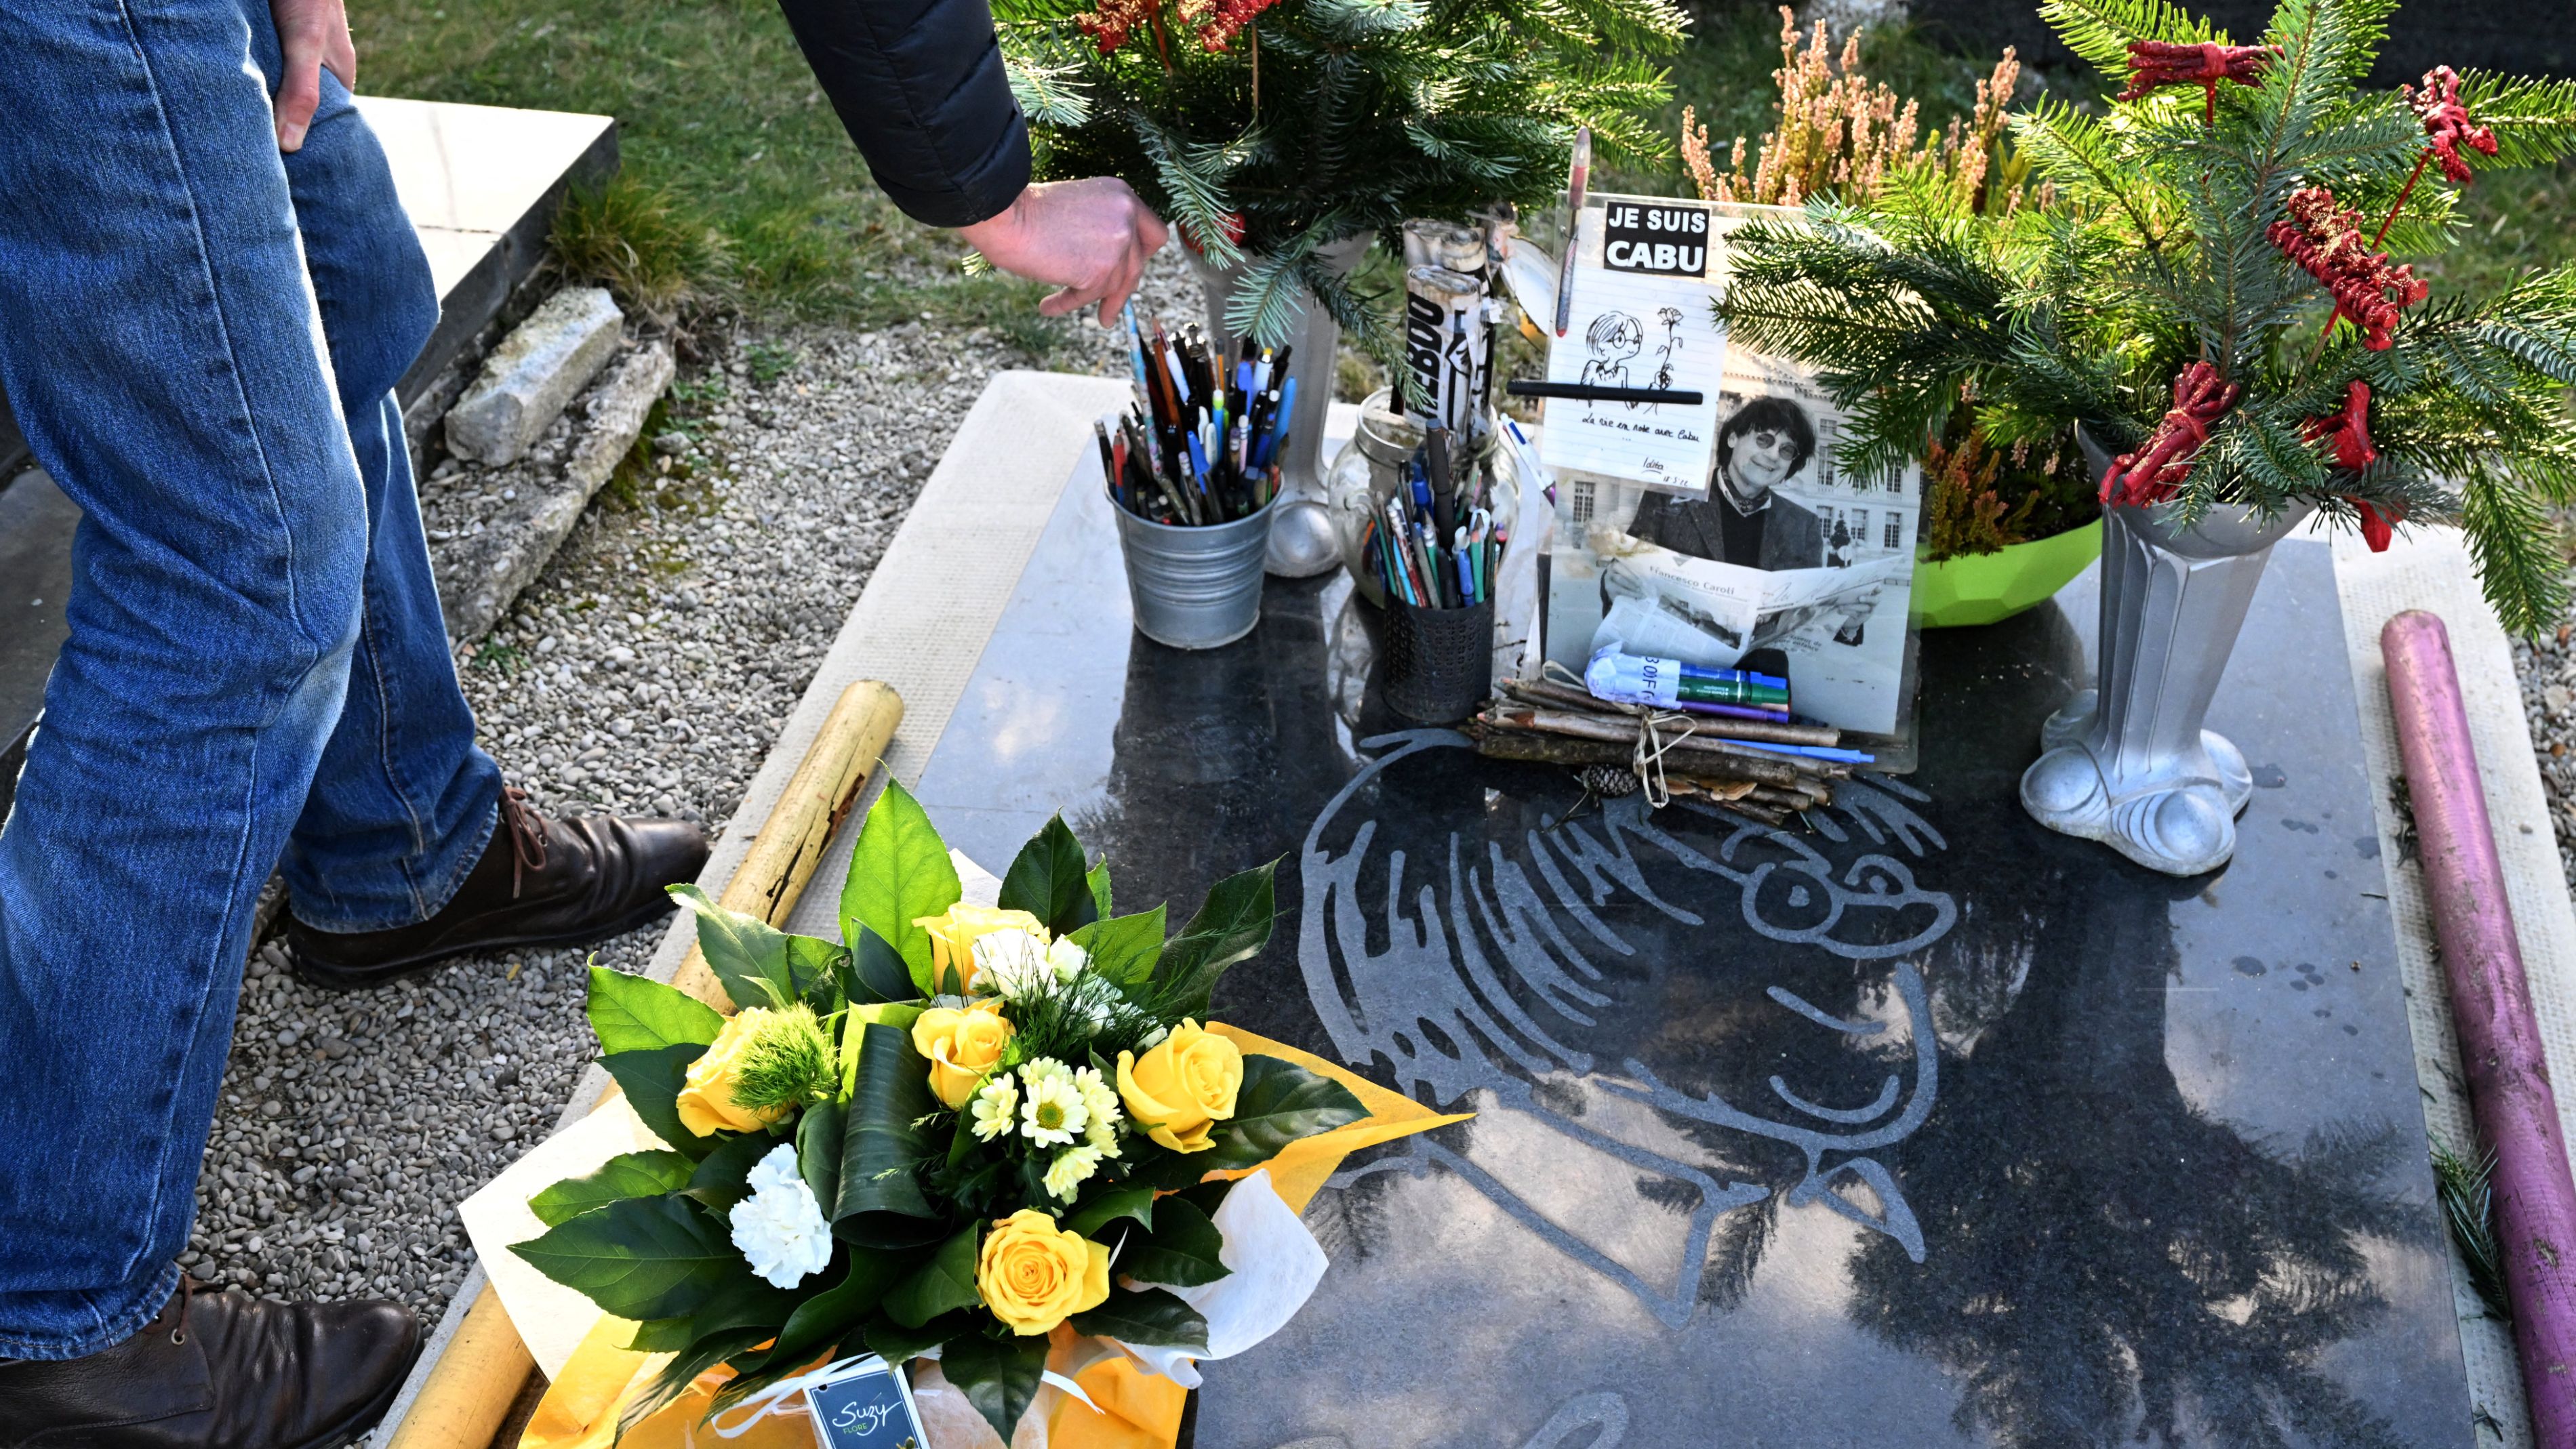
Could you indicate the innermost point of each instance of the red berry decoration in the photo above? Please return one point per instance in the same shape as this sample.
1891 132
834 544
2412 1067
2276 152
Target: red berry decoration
2349 427
2151 474
2157 63
2326 242
2447 122
2377 527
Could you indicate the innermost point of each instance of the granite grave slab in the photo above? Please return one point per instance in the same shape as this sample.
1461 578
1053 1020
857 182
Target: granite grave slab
1924 1126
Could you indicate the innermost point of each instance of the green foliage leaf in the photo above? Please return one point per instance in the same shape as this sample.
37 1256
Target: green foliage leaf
747 954
635 1013
652 1080
895 1343
946 1281
1109 1207
877 970
640 1257
882 1143
1280 1102
722 1176
1151 1318
833 1314
661 1335
999 1376
1049 881
1231 927
629 1174
1099 880
1182 1250
1124 948
819 1133
899 873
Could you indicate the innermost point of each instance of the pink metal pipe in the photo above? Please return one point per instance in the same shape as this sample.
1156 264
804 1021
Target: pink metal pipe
2517 1112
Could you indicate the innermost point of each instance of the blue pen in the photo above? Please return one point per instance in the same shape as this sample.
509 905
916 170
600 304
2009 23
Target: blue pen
1813 752
1198 460
1279 425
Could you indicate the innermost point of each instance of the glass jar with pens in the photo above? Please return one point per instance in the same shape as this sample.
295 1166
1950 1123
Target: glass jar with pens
1192 470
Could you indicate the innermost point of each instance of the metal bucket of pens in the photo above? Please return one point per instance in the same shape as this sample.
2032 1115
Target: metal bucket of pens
1193 473
1195 587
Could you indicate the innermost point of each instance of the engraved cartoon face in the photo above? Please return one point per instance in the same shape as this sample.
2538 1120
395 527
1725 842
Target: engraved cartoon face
1738 1008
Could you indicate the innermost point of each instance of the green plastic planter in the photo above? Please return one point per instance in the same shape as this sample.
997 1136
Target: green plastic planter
1982 588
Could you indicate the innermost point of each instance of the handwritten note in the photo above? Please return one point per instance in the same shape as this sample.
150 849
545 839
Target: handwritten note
1643 322
871 1410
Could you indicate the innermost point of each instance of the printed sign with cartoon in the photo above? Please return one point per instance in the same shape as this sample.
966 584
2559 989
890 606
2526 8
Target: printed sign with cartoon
1641 319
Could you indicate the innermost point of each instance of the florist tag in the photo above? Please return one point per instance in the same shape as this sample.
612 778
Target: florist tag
870 1409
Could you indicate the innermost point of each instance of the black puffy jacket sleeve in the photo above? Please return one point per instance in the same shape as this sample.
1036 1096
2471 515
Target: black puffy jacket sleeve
919 84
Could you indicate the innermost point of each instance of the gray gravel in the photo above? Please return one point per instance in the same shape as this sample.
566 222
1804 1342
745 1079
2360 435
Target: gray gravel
647 671
2548 673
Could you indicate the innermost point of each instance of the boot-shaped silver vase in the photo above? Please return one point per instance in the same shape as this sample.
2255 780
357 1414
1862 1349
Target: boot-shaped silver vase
2127 762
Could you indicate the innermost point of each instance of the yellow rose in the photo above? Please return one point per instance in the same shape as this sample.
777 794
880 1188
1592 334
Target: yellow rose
706 1098
952 938
1035 1275
961 1045
1181 1088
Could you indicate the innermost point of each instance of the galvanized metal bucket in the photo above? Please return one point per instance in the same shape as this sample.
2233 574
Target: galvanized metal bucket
1195 588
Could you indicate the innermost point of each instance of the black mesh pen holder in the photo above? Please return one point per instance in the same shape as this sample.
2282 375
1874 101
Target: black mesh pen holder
1439 662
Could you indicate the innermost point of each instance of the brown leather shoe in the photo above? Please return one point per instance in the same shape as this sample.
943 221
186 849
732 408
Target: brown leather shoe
218 1371
540 883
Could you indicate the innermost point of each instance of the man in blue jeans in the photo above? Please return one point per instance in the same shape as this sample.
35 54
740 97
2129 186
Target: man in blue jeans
207 292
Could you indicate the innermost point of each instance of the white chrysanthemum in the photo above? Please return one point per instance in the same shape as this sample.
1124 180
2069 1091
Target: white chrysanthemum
1098 1097
780 1228
1042 1068
1012 965
1071 1170
1053 1114
1068 959
994 1107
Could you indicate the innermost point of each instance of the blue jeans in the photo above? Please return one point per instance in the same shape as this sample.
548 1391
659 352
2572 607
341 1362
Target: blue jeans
201 338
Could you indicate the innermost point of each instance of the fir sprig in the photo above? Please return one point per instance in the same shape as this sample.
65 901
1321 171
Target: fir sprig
2156 251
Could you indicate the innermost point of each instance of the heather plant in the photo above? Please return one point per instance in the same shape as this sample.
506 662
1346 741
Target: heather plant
2210 293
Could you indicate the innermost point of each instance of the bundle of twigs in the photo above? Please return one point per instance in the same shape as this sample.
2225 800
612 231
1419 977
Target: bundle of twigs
1677 754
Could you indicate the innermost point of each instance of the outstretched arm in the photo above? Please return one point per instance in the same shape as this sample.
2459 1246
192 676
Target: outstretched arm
920 86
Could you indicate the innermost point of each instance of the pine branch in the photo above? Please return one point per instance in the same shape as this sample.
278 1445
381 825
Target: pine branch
2534 120
2100 30
1193 177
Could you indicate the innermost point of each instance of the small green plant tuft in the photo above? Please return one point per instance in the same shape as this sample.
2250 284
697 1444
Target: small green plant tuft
2467 1190
645 244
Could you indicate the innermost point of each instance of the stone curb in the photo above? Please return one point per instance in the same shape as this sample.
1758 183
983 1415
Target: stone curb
533 373
481 574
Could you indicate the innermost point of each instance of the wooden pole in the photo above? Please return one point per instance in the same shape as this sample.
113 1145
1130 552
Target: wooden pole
2500 1048
792 840
468 1393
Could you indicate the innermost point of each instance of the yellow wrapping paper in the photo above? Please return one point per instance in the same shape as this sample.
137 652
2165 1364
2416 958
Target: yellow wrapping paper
1139 1410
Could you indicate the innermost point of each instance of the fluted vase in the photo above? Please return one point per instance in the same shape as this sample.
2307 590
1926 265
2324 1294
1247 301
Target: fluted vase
2128 762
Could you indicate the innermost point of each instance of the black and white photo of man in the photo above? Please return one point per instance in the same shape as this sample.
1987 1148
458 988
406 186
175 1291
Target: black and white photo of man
1745 520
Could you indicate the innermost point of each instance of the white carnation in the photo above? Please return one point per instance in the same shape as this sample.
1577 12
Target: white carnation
780 1227
1012 965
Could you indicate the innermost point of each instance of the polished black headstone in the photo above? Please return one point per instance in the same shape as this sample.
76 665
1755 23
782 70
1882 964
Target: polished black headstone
1926 1126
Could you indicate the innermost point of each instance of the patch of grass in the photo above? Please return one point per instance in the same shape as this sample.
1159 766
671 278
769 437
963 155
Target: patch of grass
645 244
738 182
2512 223
509 659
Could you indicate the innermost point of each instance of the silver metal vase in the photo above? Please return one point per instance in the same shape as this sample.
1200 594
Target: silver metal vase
2127 762
1301 530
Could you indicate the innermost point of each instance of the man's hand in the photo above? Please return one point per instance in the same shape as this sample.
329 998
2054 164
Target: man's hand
1089 237
313 34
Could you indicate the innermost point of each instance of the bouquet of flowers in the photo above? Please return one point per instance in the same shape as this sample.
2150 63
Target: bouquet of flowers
963 1131
2204 281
